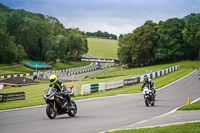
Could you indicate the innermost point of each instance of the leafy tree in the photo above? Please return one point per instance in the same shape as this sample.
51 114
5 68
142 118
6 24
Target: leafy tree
41 37
76 45
7 47
9 51
3 19
191 33
51 56
56 26
170 45
20 53
25 30
137 48
101 34
57 49
4 8
85 45
145 38
124 52
14 21
121 35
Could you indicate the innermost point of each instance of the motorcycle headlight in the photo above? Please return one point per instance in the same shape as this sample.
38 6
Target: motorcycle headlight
51 98
145 91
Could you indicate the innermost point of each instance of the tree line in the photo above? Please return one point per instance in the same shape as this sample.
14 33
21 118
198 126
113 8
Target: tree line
100 34
37 37
171 40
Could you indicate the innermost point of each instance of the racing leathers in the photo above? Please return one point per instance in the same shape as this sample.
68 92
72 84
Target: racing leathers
61 88
151 85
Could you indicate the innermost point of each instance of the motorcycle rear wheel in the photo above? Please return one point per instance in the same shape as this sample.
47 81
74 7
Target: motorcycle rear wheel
72 112
50 111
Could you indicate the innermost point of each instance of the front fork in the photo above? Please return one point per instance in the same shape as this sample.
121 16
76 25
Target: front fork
54 106
147 97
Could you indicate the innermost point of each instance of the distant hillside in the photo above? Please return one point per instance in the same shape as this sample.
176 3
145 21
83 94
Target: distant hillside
103 48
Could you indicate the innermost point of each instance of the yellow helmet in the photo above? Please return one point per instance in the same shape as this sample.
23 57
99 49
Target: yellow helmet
53 79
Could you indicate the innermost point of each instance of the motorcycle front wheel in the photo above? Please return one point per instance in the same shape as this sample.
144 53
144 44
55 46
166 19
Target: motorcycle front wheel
153 102
50 111
72 112
146 101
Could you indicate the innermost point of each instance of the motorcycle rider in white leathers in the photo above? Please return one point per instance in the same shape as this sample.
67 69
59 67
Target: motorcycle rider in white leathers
152 85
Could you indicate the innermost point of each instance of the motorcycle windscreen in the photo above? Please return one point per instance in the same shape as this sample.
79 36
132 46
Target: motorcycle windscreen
50 91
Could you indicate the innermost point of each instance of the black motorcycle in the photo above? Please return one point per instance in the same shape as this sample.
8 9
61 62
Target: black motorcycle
58 105
149 96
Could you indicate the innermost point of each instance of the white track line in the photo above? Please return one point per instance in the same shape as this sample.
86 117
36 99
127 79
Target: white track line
172 111
140 122
164 125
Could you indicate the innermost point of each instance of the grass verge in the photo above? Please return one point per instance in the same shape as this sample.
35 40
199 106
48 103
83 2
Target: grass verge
193 106
182 128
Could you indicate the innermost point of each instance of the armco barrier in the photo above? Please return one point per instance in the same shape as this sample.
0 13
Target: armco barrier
5 97
139 79
158 73
45 75
94 88
114 84
85 89
16 75
91 88
102 87
130 81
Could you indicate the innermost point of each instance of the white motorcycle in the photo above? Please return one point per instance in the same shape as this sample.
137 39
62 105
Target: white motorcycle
149 97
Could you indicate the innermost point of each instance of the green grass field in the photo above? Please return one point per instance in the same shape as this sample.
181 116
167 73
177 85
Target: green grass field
103 48
127 73
60 66
193 106
182 128
34 93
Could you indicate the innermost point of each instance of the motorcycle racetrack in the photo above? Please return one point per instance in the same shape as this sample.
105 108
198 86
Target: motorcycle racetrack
101 114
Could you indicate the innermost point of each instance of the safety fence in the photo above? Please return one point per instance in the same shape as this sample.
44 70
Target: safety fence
5 97
16 75
66 72
92 88
60 73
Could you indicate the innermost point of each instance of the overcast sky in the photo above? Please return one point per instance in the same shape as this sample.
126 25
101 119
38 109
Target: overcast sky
113 16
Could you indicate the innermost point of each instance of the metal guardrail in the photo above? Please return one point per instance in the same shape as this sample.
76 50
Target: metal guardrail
16 75
91 88
5 97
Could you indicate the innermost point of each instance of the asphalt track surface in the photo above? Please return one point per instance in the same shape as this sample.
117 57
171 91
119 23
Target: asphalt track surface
100 114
